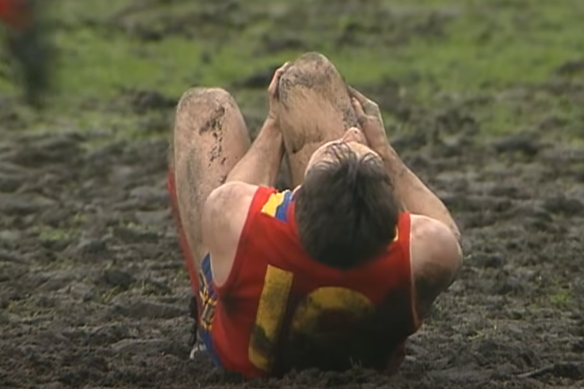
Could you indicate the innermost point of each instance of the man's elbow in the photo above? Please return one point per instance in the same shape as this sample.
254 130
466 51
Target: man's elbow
224 193
217 200
451 251
455 231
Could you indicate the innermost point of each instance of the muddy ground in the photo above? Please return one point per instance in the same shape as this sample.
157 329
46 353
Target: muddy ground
93 293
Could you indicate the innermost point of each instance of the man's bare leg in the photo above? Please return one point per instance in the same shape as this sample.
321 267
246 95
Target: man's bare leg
210 137
315 108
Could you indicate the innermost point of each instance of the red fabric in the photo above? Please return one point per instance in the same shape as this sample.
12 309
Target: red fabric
386 282
184 245
15 13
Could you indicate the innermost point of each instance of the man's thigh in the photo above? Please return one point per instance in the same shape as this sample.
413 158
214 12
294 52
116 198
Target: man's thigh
315 108
209 138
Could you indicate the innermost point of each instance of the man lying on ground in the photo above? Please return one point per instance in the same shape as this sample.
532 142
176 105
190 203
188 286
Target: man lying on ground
336 271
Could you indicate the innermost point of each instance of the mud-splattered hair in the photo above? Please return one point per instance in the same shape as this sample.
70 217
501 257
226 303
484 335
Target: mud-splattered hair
346 210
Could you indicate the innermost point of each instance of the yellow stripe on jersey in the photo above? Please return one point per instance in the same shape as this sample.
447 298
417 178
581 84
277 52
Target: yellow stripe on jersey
271 206
276 203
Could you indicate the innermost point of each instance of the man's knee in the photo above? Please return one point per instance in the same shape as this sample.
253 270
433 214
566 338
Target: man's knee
313 57
198 110
200 98
309 70
202 110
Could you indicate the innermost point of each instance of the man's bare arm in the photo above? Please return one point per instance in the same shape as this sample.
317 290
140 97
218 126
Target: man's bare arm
436 258
261 164
413 194
224 215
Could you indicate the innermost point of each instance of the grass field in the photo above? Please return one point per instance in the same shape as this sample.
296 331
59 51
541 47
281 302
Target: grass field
500 61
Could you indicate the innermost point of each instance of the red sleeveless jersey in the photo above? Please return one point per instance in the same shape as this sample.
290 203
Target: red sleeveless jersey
281 310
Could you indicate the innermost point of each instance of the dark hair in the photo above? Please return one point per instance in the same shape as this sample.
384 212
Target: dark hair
346 211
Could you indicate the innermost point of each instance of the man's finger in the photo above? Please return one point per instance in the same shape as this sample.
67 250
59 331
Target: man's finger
356 94
369 106
365 102
276 78
362 118
356 105
359 110
282 69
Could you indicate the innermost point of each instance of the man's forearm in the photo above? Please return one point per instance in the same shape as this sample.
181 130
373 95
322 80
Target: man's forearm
413 194
261 164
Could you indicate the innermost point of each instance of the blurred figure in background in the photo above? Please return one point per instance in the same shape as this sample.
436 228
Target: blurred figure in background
28 47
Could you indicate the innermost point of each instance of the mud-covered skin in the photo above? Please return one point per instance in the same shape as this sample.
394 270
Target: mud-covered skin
315 107
93 290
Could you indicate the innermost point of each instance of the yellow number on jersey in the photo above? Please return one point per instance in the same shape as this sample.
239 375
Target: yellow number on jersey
272 308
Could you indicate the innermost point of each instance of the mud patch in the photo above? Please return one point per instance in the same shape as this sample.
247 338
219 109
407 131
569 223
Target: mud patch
94 292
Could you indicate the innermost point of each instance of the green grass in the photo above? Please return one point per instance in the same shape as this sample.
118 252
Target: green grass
434 48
